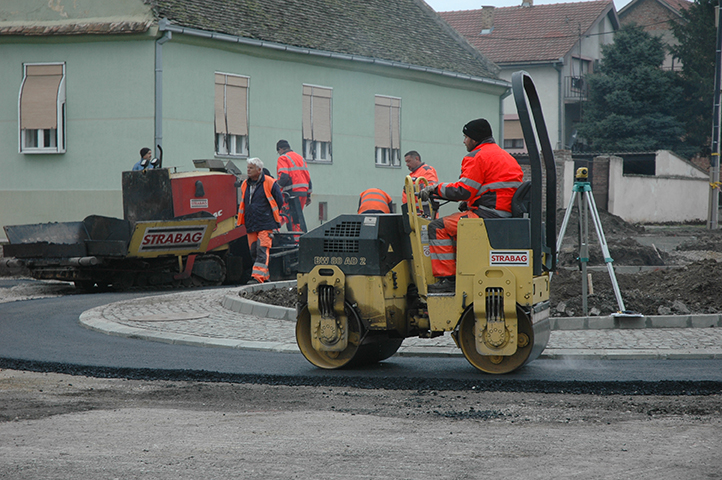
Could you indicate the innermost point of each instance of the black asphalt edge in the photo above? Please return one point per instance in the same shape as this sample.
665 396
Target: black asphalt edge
484 383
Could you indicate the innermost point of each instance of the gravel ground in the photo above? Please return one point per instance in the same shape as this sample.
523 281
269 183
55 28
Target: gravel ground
68 427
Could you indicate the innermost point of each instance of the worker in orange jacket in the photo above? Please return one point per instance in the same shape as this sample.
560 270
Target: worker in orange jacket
295 182
489 177
375 200
259 210
420 169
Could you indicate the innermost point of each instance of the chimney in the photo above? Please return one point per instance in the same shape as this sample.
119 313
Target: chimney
487 19
527 3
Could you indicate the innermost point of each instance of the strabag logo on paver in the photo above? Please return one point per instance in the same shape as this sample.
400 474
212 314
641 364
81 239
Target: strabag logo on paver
164 238
509 258
199 203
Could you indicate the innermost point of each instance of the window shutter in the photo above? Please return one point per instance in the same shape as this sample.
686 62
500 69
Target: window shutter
512 129
231 104
322 114
237 105
395 114
386 122
317 113
307 96
39 97
220 104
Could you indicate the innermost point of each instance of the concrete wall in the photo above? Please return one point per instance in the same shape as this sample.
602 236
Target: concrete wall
643 199
677 193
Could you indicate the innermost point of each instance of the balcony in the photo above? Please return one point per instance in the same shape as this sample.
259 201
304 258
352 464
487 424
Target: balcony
575 89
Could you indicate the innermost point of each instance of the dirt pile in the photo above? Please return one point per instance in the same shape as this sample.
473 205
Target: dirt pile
689 289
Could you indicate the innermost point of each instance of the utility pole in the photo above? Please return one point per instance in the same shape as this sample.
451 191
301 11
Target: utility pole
713 214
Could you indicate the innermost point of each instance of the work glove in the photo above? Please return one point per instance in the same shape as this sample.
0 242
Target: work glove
426 192
463 206
308 199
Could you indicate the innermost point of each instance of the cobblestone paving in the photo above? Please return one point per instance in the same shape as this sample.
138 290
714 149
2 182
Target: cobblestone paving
200 314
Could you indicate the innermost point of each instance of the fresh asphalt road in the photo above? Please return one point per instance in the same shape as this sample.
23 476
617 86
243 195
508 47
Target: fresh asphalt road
45 335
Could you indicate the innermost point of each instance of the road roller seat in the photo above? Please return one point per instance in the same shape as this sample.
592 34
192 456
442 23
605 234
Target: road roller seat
521 201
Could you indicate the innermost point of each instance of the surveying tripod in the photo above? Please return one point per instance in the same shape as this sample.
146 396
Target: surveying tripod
586 206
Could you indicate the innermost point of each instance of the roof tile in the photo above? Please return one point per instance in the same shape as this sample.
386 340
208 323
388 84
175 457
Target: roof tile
406 31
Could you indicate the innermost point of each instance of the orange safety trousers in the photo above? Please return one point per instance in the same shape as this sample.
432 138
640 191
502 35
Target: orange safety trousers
442 243
260 244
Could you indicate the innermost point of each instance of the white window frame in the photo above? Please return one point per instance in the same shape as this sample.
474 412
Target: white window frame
230 145
43 141
389 157
315 150
513 143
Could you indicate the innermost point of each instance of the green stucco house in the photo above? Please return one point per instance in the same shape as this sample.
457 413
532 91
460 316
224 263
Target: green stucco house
85 84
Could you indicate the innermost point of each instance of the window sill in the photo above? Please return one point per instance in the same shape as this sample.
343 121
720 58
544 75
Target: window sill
42 151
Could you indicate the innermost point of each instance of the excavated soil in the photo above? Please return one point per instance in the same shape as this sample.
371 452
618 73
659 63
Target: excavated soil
689 270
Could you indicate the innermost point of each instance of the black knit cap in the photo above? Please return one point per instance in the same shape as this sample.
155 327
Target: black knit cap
478 129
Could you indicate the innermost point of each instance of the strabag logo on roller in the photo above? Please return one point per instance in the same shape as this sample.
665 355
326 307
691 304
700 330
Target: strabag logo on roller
509 258
166 238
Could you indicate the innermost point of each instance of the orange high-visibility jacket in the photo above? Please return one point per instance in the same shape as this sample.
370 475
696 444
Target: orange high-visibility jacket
426 171
374 199
293 174
268 183
489 177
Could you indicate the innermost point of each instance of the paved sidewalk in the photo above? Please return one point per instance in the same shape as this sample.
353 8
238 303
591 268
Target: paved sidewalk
222 318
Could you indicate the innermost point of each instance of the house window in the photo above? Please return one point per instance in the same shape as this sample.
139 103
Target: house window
513 143
317 123
513 134
387 121
41 109
231 112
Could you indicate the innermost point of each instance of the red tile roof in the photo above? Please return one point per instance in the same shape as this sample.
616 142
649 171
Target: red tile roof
678 5
529 34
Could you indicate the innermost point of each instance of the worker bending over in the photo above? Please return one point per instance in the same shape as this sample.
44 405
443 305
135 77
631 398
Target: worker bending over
375 200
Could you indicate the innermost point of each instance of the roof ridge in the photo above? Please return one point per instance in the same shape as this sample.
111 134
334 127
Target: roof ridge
78 28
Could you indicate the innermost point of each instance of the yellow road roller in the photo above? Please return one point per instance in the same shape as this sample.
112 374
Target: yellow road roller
362 281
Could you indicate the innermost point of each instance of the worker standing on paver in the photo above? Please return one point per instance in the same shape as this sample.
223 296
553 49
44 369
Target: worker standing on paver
420 169
295 181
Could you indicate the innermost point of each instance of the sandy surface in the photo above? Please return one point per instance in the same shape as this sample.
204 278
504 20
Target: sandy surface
63 427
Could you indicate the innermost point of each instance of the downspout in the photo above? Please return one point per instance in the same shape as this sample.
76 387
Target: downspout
159 86
501 116
560 111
